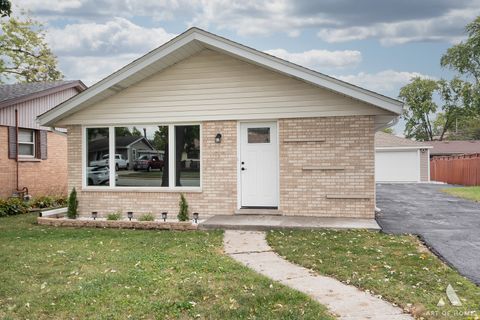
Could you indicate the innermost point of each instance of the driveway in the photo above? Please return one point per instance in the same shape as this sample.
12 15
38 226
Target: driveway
449 225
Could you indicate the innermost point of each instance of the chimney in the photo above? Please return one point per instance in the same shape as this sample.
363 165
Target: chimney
145 132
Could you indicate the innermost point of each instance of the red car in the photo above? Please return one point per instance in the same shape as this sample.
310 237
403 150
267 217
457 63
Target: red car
148 162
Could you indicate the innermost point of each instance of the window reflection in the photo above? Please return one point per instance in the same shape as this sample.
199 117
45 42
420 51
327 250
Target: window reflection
97 157
187 156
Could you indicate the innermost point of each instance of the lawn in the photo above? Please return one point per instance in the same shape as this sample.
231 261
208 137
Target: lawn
470 193
398 268
53 273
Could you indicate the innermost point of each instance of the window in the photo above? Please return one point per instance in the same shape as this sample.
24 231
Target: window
187 156
259 135
160 156
97 171
141 159
26 143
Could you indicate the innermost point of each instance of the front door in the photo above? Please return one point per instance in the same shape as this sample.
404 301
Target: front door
259 164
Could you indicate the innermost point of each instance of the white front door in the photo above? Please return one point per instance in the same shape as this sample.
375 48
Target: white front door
259 164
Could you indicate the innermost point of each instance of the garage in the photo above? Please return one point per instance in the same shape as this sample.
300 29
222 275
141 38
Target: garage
400 160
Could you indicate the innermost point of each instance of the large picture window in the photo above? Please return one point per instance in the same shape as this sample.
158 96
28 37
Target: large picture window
160 156
97 170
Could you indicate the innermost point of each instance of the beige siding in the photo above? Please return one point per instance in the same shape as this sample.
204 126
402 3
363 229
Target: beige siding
424 165
29 110
214 86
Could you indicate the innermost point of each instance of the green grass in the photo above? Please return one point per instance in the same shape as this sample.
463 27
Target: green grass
398 268
469 193
67 273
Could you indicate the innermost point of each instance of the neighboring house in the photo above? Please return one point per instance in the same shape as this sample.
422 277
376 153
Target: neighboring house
240 129
401 160
129 148
454 147
42 156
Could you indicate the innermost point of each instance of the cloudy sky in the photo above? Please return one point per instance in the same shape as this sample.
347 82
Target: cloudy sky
377 44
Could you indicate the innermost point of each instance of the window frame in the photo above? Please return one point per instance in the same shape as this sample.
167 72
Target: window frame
33 143
111 161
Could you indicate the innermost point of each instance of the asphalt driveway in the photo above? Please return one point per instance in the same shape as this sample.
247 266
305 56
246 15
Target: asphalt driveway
449 225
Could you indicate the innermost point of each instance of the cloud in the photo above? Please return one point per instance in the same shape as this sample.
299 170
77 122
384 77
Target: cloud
117 36
387 82
316 59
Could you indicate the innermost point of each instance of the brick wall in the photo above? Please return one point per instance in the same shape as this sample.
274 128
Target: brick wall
45 177
349 143
348 149
219 179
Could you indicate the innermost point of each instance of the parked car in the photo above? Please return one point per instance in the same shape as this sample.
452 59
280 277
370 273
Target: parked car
99 175
148 162
120 162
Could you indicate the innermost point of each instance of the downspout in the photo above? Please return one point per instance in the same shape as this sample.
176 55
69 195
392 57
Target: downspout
24 191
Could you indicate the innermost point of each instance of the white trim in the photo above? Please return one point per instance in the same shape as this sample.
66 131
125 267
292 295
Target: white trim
428 167
419 158
112 173
401 148
210 40
239 184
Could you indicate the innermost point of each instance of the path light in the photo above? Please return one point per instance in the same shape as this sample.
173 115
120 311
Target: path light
164 216
130 215
195 217
218 138
94 215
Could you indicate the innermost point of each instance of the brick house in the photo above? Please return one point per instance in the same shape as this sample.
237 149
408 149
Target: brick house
239 130
42 156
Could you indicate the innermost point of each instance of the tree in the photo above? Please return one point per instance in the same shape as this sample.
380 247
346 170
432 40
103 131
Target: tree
420 107
5 8
25 55
465 56
388 130
136 132
72 204
183 212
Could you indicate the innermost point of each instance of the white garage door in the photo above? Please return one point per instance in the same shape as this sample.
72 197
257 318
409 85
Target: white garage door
397 166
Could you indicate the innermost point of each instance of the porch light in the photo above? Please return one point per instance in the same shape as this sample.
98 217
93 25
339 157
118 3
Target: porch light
218 138
94 215
164 216
195 217
130 215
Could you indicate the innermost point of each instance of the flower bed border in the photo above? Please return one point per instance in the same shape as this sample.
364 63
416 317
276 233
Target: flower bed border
118 224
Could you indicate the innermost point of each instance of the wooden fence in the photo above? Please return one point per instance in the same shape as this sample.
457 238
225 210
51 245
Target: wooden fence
464 170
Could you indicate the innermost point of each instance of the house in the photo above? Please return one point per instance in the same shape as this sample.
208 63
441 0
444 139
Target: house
240 130
454 147
401 160
41 166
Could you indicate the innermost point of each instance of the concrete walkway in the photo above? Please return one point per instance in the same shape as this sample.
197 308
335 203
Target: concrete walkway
344 301
269 222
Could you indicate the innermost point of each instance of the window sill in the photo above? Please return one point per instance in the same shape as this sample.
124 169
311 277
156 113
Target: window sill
142 189
29 160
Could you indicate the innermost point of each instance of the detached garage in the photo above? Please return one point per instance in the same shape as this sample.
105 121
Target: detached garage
401 160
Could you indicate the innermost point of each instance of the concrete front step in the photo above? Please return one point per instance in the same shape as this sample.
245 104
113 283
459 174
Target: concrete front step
270 222
266 212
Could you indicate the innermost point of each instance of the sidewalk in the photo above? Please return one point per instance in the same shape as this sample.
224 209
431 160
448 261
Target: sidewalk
346 302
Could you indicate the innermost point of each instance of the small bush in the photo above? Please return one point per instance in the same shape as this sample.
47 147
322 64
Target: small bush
183 212
43 202
114 216
12 206
72 204
146 217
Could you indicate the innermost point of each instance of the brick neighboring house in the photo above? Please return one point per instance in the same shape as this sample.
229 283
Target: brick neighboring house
239 130
42 158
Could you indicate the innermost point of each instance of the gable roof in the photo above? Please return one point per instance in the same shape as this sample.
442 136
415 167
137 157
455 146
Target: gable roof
192 41
120 142
456 147
19 92
390 141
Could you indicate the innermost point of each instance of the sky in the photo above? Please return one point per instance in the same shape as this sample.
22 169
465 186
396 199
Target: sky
376 44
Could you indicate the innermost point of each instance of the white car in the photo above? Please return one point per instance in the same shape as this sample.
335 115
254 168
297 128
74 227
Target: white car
99 175
120 162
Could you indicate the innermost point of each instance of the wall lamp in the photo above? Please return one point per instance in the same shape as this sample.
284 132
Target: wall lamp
218 138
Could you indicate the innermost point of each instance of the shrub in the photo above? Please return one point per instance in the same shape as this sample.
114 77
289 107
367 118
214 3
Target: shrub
146 217
183 212
72 204
12 206
114 216
43 202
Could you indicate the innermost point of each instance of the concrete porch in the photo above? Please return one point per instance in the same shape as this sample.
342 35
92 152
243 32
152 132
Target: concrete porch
269 222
